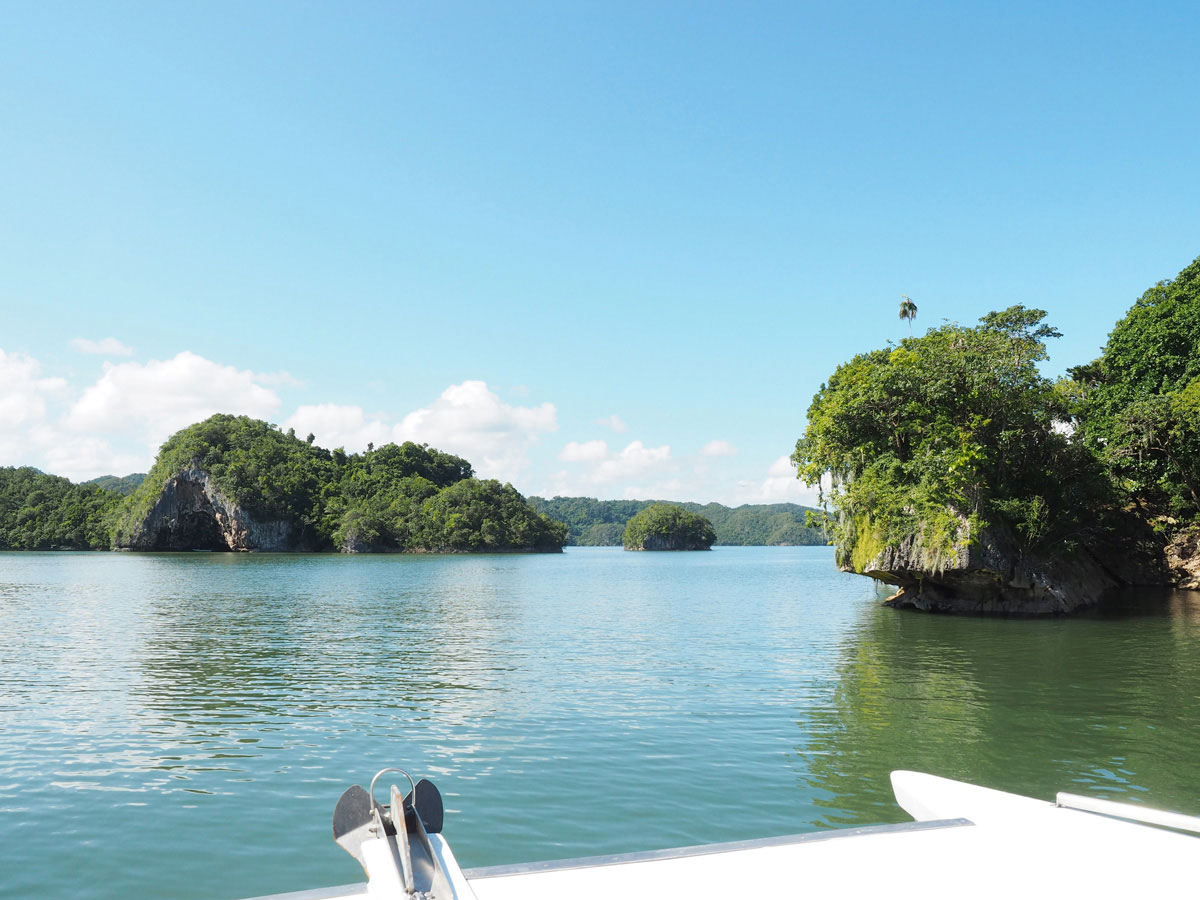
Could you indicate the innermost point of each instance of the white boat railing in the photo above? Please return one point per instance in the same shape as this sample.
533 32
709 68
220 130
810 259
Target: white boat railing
1128 811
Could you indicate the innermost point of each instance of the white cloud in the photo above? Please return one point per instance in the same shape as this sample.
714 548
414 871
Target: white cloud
23 392
80 457
116 424
588 451
634 461
598 470
160 397
718 448
779 485
469 419
614 422
339 426
641 472
108 346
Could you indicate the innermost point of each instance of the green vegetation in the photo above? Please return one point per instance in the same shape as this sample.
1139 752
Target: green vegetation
121 486
769 524
667 526
45 512
945 434
908 310
601 523
1138 406
602 534
929 443
396 497
583 515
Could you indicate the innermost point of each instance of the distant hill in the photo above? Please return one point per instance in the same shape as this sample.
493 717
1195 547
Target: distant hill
600 523
123 486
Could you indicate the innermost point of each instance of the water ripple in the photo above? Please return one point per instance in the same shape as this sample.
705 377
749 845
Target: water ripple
587 703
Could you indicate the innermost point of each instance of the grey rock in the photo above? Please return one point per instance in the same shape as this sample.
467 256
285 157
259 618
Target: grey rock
990 574
191 513
669 542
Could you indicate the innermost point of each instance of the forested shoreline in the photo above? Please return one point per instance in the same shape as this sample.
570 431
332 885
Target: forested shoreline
48 512
601 523
250 486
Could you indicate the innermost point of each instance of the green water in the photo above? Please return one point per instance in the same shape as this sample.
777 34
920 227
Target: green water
181 725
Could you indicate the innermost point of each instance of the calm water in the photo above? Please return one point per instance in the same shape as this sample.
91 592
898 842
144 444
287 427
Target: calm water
182 725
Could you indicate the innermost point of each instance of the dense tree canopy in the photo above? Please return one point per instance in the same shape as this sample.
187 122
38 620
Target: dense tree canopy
956 426
667 526
124 486
601 523
1138 405
396 497
45 512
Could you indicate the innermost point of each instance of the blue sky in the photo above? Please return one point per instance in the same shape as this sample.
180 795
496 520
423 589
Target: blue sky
598 248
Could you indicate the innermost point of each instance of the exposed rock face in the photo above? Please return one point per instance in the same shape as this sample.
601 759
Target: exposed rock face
354 542
1183 559
192 514
991 575
670 542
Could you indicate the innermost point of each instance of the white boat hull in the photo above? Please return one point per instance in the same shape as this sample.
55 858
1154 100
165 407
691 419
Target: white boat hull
967 842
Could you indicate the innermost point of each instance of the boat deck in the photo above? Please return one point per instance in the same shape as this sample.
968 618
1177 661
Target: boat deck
968 842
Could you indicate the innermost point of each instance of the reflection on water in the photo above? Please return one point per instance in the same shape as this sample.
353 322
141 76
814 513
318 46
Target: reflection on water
182 724
1105 704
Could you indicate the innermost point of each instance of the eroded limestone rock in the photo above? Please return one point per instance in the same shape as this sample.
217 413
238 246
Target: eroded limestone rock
191 513
992 575
1183 559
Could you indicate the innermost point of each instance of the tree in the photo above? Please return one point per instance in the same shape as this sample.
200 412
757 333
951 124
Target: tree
956 425
908 310
397 497
667 526
1137 404
43 512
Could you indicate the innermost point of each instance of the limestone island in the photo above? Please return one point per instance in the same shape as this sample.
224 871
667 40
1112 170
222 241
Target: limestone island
236 483
665 526
961 475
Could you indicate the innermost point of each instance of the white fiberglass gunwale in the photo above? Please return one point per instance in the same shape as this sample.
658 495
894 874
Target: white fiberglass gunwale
967 841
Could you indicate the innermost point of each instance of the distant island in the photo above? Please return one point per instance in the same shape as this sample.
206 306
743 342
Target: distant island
601 523
236 483
668 526
971 482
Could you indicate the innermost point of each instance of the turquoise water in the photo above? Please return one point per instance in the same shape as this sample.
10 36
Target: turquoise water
181 725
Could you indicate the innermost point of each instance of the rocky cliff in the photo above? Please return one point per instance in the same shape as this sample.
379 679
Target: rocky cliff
991 574
670 542
192 514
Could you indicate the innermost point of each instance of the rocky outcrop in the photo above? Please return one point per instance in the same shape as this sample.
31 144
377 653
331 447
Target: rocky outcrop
670 542
991 575
1183 559
192 514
